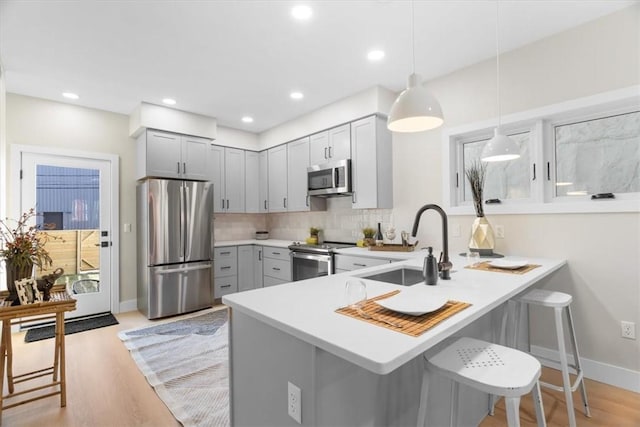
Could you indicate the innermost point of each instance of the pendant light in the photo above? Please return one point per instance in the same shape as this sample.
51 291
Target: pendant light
415 109
500 147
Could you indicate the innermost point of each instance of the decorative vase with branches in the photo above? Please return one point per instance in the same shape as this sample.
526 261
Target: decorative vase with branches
482 238
22 248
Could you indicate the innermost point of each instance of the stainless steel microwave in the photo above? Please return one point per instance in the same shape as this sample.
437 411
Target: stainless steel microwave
329 179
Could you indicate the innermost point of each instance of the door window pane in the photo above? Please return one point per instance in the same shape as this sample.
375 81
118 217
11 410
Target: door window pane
507 180
598 156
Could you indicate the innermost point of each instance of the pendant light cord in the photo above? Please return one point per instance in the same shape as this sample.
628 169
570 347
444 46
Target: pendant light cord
498 61
413 40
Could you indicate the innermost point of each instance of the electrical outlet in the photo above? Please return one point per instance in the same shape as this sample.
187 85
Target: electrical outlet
628 330
500 231
294 402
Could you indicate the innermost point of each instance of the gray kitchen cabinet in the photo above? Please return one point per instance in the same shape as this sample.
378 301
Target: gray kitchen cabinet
277 174
252 182
297 163
349 262
227 173
225 271
170 155
371 164
258 260
276 266
263 186
330 145
246 275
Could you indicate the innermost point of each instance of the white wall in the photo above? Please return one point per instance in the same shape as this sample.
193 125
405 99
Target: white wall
34 121
230 137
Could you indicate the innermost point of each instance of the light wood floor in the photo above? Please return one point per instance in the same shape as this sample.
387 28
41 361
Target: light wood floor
105 388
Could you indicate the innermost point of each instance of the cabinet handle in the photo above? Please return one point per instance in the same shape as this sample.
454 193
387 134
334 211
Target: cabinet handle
265 204
178 163
307 201
226 267
227 203
330 152
534 172
275 268
284 202
184 168
225 253
548 171
276 253
259 255
359 265
325 153
222 200
225 286
353 197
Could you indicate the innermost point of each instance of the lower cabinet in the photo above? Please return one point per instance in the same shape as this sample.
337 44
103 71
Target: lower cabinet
225 271
349 262
276 266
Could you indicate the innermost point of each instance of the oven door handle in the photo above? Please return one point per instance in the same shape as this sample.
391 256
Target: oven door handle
313 257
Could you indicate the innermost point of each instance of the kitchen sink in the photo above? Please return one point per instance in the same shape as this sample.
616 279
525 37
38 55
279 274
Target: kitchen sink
400 276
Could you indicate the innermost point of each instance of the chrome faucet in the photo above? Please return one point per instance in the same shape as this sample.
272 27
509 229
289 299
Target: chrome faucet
444 265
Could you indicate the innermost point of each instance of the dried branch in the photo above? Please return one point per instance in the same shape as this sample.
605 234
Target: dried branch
476 173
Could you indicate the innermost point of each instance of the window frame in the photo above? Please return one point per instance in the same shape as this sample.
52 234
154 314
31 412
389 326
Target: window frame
541 122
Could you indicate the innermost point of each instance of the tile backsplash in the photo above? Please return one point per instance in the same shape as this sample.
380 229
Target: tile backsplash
339 223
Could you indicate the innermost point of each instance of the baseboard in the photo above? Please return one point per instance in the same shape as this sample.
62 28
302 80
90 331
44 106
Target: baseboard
128 305
597 371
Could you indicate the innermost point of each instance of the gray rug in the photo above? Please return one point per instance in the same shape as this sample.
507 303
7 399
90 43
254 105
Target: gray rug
186 362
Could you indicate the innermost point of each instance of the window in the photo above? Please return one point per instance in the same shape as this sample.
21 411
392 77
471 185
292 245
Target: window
569 152
598 156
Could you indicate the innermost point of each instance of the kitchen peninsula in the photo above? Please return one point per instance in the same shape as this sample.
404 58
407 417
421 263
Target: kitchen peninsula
351 372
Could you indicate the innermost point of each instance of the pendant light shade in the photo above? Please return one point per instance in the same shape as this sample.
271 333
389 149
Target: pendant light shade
500 148
415 109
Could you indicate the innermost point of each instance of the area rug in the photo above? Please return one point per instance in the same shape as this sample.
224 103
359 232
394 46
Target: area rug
186 362
71 327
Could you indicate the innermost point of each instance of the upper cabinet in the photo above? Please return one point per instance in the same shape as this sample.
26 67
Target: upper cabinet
371 164
227 173
277 173
263 186
330 145
170 155
252 182
297 163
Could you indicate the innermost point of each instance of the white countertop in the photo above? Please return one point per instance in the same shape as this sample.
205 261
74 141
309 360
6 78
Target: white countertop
267 242
306 310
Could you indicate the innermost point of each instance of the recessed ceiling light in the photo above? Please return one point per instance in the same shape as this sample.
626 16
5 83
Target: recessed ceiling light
296 95
247 119
301 12
70 95
375 55
169 101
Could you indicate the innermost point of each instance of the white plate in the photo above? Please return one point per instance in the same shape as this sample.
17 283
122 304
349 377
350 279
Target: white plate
507 265
410 303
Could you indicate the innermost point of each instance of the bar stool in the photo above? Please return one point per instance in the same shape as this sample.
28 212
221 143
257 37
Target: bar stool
487 367
559 301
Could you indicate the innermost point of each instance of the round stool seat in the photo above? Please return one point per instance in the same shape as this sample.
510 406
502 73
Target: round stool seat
546 298
488 367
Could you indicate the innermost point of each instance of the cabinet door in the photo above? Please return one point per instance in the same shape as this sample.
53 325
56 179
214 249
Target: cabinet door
278 179
163 151
252 182
264 182
258 278
340 142
195 158
246 275
234 179
216 176
319 148
297 163
371 164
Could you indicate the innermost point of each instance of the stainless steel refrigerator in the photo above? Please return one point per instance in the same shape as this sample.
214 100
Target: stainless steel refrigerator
175 239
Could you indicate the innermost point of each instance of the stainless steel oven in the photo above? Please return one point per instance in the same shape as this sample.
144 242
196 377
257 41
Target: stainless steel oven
309 261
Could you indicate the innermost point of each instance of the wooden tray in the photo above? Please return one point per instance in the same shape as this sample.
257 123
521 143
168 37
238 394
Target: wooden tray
484 266
393 247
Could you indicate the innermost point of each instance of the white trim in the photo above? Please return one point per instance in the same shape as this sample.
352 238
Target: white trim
602 372
128 305
114 164
541 202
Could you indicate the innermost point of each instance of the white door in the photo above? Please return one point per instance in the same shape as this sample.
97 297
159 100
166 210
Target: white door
71 196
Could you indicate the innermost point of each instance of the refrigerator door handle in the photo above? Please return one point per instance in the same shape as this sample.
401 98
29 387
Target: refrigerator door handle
184 270
183 212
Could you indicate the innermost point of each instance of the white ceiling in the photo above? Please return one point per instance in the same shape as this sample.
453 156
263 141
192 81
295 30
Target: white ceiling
228 59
